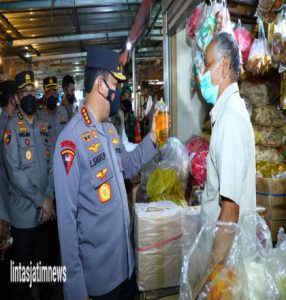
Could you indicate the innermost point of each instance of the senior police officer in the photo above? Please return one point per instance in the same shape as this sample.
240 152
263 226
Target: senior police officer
27 158
53 115
92 208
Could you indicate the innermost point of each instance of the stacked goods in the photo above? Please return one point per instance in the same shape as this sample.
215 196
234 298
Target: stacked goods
159 242
268 122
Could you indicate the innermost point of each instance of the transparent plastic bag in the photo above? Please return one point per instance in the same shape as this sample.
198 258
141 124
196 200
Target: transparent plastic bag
259 60
245 40
194 20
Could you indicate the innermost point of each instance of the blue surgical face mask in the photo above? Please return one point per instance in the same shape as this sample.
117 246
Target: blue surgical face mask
113 98
209 91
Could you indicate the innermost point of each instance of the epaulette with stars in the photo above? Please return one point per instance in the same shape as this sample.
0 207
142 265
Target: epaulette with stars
85 116
20 116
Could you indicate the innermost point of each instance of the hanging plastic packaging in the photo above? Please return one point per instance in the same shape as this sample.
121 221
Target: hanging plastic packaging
245 40
259 60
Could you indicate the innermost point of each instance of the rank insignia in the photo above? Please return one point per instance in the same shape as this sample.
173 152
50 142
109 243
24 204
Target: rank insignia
20 116
28 155
23 129
85 115
27 142
67 156
104 193
7 136
94 147
115 141
102 174
86 136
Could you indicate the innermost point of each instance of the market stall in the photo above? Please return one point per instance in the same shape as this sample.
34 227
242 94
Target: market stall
168 235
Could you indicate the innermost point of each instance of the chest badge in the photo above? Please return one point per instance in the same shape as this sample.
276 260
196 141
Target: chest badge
94 133
94 147
111 131
86 136
23 129
7 136
102 174
27 142
115 141
28 155
104 193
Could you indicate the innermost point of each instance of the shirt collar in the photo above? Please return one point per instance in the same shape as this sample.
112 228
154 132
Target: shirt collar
222 101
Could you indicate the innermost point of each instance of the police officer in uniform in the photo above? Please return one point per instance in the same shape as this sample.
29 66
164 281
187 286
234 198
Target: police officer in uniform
53 115
69 99
92 208
28 162
8 102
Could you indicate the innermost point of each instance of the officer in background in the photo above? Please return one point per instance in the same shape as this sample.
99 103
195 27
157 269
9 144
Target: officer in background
69 99
27 159
53 115
8 102
92 208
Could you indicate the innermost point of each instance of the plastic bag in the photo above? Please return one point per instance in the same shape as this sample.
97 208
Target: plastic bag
199 167
270 136
194 20
158 244
268 154
259 92
165 185
268 116
197 144
222 22
210 274
245 40
259 60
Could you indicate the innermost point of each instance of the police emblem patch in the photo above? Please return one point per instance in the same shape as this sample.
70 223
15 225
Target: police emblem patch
7 136
28 155
102 174
67 156
94 147
104 193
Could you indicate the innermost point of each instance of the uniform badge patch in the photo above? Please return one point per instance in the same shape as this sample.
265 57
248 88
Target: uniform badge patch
115 141
28 155
94 147
23 129
20 123
104 193
43 127
85 115
7 136
27 142
111 131
86 136
67 156
102 174
94 133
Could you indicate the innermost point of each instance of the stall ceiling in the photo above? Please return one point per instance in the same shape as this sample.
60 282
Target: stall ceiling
54 34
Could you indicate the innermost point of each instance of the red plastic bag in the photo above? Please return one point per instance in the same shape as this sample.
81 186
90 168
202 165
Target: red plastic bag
197 144
194 20
245 41
199 167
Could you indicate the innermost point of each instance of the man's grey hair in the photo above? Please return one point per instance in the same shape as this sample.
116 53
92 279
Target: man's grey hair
227 46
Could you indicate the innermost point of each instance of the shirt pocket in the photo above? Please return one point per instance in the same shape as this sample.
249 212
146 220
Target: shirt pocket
103 185
27 151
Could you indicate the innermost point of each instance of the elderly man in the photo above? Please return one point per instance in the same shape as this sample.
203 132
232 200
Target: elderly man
90 165
230 187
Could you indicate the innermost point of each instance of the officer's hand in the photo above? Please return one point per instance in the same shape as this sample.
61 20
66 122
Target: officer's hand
5 235
49 208
43 217
153 128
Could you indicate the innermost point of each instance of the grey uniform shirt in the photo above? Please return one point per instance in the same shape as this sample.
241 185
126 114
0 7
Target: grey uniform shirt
231 159
28 161
4 194
92 210
55 122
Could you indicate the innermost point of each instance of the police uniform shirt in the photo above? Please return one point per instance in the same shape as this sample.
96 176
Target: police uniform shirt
92 209
28 161
231 158
4 193
55 122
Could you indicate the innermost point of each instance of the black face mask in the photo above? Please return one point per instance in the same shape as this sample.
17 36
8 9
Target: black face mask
52 102
71 99
29 104
113 97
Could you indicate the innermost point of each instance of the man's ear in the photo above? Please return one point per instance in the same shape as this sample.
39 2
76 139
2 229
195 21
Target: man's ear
226 66
99 85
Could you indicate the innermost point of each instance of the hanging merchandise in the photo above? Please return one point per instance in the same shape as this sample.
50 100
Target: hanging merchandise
245 40
259 60
278 51
194 20
267 10
283 91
